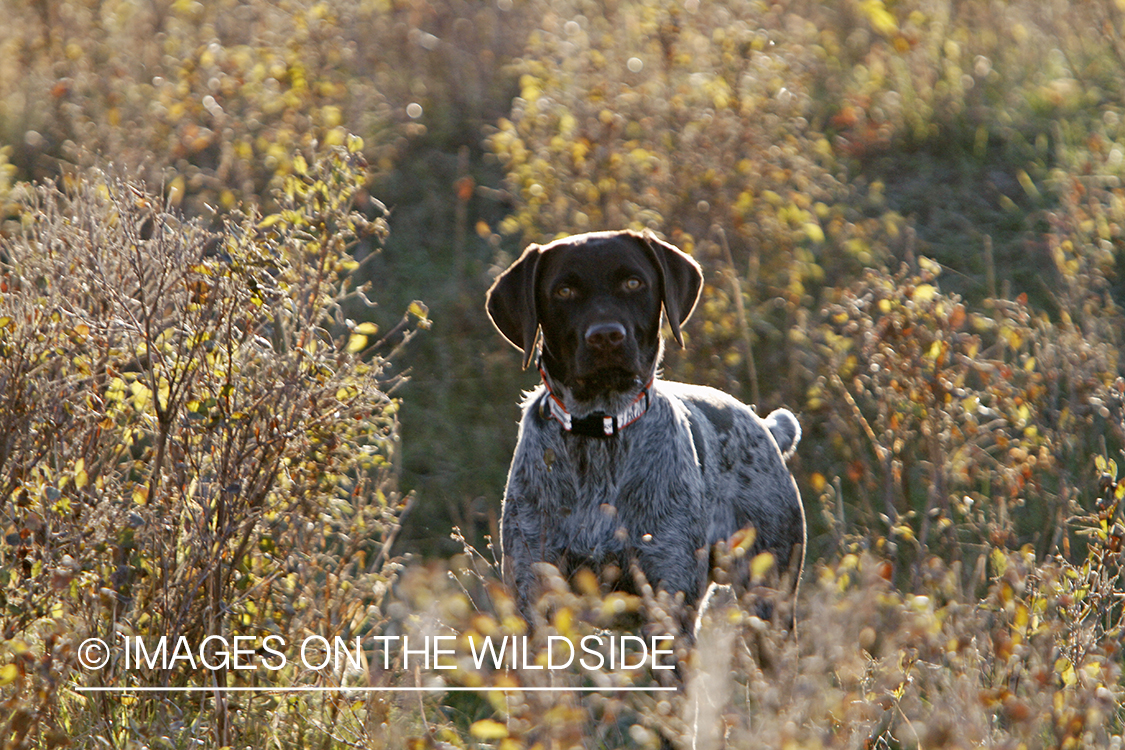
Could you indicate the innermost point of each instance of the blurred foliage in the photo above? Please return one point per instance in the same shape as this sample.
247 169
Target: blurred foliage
213 98
909 215
1032 660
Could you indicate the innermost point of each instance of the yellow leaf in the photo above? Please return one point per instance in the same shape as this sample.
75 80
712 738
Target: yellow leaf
176 191
814 232
1022 617
487 729
999 561
928 265
142 396
564 619
332 116
357 342
80 477
924 292
761 565
165 392
1066 671
743 539
881 19
367 328
1027 185
8 673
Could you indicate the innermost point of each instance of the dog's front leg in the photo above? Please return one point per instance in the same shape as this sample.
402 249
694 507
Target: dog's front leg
521 546
679 570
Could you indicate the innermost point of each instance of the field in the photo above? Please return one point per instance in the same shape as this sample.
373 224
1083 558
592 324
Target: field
255 424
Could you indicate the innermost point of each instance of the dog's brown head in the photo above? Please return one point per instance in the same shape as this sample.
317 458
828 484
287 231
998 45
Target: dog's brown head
597 298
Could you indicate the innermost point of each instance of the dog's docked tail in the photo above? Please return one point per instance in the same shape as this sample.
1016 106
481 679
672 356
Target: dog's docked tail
786 431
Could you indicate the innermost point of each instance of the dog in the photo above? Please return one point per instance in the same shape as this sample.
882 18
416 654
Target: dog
613 466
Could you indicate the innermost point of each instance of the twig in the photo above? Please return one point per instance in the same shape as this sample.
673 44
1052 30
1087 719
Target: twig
740 312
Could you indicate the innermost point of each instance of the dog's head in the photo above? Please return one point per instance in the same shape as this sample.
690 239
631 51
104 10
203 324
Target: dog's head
597 298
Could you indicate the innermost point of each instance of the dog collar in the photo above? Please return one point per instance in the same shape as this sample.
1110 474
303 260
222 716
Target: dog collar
598 424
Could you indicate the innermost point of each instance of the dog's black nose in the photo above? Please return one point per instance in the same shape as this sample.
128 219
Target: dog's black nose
605 335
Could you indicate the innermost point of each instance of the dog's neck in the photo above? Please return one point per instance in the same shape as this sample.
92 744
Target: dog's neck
602 417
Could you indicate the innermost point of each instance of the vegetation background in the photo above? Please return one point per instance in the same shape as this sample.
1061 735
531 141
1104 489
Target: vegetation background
247 385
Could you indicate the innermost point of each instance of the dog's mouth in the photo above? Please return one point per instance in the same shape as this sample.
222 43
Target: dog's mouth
603 381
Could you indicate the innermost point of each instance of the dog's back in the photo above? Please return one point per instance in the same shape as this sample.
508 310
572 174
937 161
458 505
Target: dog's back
742 460
743 467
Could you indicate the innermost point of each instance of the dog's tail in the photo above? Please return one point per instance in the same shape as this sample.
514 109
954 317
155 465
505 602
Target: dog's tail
786 430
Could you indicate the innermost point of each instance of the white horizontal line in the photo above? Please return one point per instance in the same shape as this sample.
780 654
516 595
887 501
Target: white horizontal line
454 689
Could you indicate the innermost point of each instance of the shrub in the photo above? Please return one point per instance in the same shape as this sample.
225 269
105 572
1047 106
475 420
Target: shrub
951 427
193 442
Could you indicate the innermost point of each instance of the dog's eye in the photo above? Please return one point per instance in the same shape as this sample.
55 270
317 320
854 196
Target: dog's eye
632 284
565 292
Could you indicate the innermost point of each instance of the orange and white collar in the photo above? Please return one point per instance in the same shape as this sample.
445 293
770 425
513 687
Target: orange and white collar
598 424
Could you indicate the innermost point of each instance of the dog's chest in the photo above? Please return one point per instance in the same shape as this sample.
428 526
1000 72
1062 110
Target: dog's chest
595 511
598 498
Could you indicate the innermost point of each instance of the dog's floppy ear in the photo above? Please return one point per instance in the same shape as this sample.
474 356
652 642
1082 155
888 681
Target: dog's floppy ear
511 303
680 280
